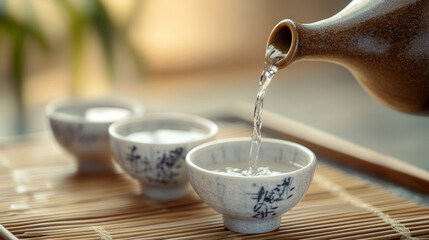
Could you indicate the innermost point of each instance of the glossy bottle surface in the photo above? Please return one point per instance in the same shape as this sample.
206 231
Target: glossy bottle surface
385 44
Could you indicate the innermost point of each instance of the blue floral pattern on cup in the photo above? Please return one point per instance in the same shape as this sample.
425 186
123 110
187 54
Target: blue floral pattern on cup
267 199
166 168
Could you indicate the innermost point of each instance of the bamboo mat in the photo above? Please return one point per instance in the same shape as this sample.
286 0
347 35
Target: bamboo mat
41 198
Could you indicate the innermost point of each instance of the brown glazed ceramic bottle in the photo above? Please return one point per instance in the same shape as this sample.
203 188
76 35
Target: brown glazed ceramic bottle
384 43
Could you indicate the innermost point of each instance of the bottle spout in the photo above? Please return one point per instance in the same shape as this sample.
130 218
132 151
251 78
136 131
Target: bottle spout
284 38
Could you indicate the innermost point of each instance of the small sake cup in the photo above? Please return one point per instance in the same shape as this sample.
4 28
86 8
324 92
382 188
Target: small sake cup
158 162
250 204
80 126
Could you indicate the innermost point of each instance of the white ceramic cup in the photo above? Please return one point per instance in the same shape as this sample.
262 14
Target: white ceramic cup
80 126
250 204
158 165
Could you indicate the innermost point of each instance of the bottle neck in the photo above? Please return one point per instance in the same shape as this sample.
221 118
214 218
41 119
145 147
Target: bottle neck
284 38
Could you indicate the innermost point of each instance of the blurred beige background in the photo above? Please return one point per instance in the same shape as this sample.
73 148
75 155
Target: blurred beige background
199 57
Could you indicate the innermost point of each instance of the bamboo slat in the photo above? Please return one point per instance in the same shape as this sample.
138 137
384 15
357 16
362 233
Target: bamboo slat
42 198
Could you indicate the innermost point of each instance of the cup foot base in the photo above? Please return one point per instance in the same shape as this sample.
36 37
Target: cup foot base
164 193
251 226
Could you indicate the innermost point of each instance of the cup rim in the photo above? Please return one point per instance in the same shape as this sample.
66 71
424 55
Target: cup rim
307 151
212 126
51 109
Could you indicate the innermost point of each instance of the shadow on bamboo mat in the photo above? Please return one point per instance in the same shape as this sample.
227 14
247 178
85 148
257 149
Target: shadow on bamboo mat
42 198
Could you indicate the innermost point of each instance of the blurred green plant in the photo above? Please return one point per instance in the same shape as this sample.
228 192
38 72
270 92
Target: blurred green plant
93 14
81 15
19 32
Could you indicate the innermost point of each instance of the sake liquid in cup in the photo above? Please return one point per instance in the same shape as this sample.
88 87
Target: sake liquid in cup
250 203
152 150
